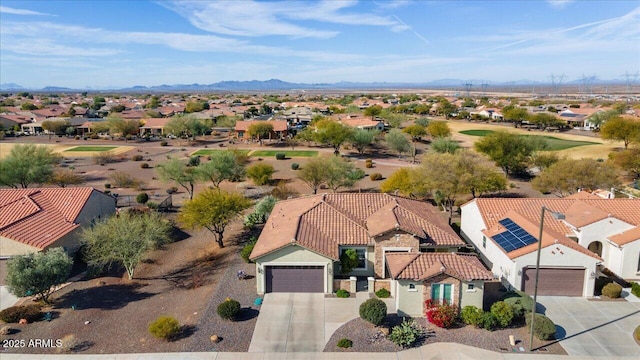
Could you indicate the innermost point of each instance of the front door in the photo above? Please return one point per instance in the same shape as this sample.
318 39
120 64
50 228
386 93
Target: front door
442 293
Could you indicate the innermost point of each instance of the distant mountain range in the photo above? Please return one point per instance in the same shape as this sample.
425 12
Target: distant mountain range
275 84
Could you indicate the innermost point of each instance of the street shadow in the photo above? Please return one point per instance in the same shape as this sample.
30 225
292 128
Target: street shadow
247 313
106 297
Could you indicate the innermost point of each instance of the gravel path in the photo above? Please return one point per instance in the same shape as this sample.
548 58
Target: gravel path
236 335
367 337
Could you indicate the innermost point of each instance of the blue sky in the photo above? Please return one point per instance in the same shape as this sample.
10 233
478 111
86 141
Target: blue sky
99 44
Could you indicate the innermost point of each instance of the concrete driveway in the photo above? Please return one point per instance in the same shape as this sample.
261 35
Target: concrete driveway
303 322
594 328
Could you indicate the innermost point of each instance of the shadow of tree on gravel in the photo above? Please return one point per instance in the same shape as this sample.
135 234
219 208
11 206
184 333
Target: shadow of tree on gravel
82 346
106 297
246 313
185 332
195 273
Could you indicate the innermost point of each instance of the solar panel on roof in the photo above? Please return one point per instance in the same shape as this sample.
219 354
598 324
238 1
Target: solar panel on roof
514 237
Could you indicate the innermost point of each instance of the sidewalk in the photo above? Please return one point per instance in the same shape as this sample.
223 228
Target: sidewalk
431 351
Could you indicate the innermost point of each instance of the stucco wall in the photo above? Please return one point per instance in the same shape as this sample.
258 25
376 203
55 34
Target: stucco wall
390 240
631 255
472 297
98 206
599 231
409 302
293 255
10 247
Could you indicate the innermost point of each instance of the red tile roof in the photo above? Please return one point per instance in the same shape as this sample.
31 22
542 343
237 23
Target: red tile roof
278 125
422 266
38 217
322 223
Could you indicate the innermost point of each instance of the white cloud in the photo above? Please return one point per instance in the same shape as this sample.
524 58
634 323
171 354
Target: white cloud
14 11
559 4
252 18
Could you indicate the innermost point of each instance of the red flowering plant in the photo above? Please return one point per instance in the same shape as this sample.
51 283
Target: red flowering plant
441 314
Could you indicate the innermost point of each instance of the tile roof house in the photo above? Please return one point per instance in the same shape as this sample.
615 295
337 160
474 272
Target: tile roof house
300 246
595 233
451 278
36 219
280 128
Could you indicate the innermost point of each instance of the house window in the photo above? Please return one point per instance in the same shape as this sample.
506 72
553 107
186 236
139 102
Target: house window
471 287
484 242
442 293
362 256
412 287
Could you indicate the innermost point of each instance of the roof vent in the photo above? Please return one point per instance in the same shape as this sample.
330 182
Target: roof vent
442 268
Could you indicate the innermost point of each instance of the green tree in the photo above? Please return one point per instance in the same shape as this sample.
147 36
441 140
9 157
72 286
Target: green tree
514 113
373 111
260 173
195 106
313 173
223 165
153 103
415 131
601 117
397 141
567 176
439 129
341 173
627 160
401 181
512 152
125 239
178 171
333 133
545 159
445 108
423 121
37 274
28 106
122 127
363 138
65 177
260 130
213 210
56 127
27 164
444 145
622 129
188 126
544 121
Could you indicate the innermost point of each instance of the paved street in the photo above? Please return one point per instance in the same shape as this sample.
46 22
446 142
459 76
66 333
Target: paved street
594 328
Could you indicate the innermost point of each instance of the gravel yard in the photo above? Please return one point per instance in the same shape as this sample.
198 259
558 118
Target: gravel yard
368 338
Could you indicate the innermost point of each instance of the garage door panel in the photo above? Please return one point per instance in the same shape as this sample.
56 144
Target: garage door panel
306 279
554 281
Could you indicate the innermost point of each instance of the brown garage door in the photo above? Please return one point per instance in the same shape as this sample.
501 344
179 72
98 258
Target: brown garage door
554 281
309 279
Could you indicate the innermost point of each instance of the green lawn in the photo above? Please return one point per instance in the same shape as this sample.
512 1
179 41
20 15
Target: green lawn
205 152
92 148
287 153
555 143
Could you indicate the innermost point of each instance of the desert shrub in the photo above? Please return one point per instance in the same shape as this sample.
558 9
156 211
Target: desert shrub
543 327
520 303
488 321
68 343
137 158
122 179
383 293
164 327
172 190
295 166
247 249
635 289
344 343
152 205
142 198
103 158
441 315
228 309
445 145
471 315
406 334
373 311
502 312
375 176
163 143
144 166
260 173
281 156
612 290
13 314
342 293
194 161
107 186
261 212
368 163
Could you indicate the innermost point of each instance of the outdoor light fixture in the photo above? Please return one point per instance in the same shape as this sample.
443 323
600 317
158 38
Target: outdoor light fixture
557 216
260 269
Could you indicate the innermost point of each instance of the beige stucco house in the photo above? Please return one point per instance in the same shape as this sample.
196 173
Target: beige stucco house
36 219
300 245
